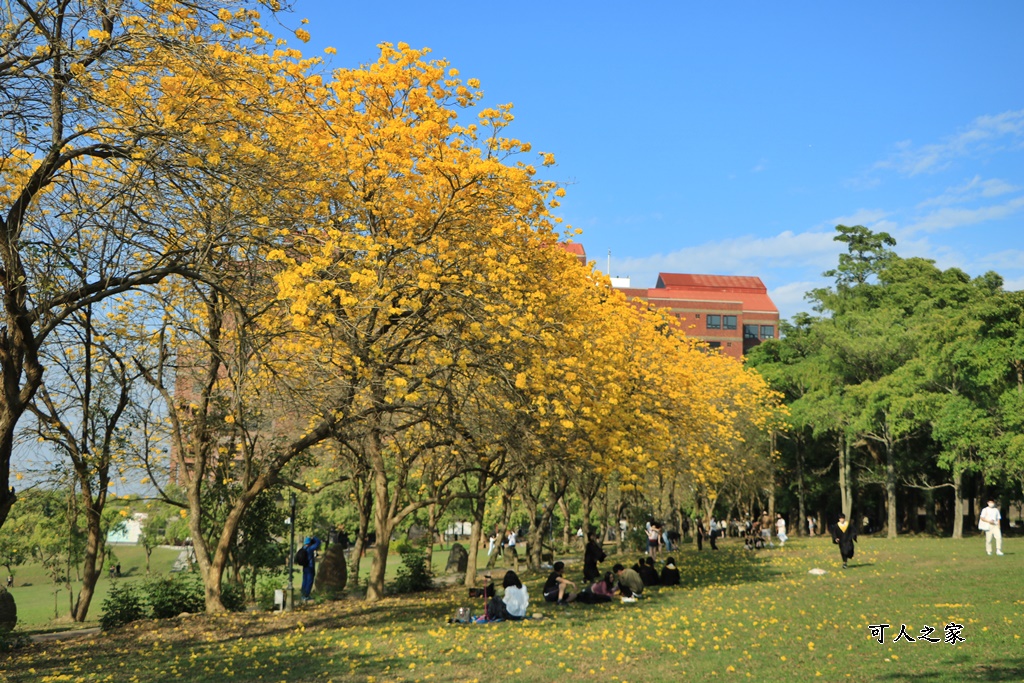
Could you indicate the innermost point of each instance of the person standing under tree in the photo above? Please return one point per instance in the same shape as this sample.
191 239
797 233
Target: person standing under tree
306 558
844 535
990 521
593 555
511 545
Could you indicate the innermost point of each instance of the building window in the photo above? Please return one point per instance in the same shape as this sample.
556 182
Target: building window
767 331
750 331
714 345
714 322
728 322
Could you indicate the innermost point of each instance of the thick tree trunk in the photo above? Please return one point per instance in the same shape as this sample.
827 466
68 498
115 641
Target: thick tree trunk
382 525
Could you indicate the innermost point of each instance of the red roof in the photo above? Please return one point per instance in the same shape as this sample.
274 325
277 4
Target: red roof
573 248
690 281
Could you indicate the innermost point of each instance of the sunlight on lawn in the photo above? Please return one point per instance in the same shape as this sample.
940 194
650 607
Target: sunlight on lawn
738 615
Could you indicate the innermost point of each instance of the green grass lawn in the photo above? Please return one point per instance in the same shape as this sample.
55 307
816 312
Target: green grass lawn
739 615
38 604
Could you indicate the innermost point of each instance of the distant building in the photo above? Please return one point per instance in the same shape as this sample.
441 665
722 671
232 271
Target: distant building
127 531
576 249
732 313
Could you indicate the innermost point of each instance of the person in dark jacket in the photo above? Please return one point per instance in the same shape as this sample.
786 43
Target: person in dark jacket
670 573
592 555
844 535
648 574
310 545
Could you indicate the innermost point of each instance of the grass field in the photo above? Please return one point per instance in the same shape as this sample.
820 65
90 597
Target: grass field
37 604
739 615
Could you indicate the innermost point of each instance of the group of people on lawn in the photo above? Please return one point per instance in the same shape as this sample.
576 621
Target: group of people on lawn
627 583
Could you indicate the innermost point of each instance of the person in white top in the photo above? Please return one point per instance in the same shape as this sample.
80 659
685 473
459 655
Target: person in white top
516 598
780 529
511 545
990 519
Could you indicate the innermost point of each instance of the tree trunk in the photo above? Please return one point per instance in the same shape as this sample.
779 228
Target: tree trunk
501 530
958 505
431 532
382 526
92 565
479 508
566 522
801 525
845 491
365 510
890 492
586 507
620 511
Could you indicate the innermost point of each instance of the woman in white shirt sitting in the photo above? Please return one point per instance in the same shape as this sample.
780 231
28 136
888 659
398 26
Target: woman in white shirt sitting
517 598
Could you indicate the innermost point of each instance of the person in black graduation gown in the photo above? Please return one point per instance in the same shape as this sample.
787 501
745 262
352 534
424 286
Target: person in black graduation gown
592 555
670 573
844 535
648 574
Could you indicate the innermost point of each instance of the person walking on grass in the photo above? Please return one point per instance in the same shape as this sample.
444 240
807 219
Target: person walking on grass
780 529
990 524
844 535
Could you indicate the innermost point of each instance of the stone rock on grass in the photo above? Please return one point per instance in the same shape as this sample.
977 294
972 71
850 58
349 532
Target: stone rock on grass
332 574
8 611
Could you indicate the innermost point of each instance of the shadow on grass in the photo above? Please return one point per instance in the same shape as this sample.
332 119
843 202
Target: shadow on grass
727 566
1006 669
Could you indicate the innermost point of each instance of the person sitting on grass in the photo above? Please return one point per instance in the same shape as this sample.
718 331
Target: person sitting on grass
600 591
556 587
514 604
670 573
648 574
631 585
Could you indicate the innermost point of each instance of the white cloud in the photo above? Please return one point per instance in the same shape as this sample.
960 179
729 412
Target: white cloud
975 188
739 256
871 218
791 298
948 218
982 135
1013 284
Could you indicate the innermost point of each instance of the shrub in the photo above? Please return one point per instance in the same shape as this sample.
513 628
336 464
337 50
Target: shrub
266 584
414 574
170 596
232 596
13 640
122 605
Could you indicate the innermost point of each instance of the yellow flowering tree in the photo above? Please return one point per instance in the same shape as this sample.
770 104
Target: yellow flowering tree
90 159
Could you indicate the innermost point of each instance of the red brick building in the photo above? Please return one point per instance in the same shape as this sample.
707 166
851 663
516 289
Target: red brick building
730 312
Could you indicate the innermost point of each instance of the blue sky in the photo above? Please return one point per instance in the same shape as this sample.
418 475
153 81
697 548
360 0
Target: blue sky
732 137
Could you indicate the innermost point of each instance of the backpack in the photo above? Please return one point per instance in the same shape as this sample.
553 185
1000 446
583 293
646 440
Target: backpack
302 557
